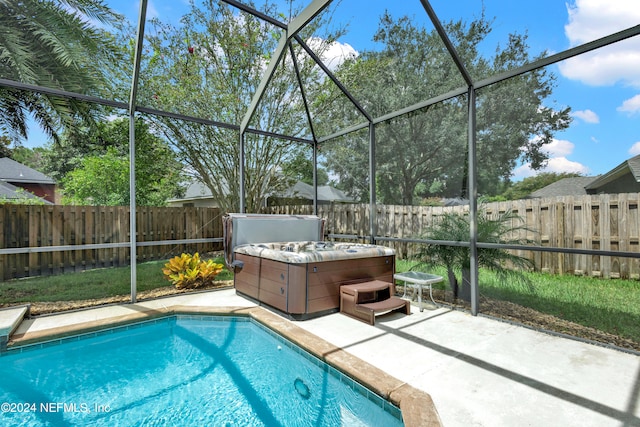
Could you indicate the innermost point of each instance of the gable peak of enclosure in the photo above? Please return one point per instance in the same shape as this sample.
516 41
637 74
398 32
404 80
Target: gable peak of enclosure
408 57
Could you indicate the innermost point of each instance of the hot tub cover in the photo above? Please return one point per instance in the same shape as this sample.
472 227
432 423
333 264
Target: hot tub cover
241 229
300 252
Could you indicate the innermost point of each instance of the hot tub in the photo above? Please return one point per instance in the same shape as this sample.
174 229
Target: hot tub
300 278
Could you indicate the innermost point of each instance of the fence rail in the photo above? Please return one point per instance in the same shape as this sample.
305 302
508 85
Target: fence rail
34 226
599 222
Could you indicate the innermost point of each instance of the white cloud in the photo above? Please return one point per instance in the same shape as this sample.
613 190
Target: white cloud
635 149
558 150
522 172
555 164
631 105
587 116
152 10
562 164
334 54
593 19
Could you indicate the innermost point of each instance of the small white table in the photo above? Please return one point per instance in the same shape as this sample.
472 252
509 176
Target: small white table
416 278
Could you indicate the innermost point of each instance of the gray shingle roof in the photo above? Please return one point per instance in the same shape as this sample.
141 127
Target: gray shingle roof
574 186
631 165
197 190
634 167
325 193
12 171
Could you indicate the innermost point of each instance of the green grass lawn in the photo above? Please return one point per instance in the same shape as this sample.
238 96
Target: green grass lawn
609 305
90 284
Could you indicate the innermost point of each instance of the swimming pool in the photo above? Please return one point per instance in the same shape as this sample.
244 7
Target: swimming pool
182 370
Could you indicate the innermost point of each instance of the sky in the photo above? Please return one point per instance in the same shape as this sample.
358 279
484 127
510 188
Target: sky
602 88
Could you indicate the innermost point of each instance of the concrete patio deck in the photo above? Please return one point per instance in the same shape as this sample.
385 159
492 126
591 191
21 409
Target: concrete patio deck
478 371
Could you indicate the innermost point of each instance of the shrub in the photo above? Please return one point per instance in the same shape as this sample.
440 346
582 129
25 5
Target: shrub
189 271
24 198
455 226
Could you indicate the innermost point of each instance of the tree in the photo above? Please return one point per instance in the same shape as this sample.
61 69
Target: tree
454 226
300 168
88 185
5 149
104 152
424 153
52 44
210 68
31 157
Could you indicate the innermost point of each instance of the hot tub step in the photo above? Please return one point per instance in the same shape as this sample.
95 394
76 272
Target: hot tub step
364 301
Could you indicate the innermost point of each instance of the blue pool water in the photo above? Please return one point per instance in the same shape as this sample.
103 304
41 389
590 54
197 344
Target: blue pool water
182 370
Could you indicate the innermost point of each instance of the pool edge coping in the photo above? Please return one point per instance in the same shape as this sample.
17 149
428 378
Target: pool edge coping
416 406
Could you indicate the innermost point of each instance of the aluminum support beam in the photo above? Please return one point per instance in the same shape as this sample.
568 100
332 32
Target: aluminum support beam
333 78
372 183
313 133
315 179
278 135
241 170
132 204
420 105
343 132
304 17
303 93
142 17
266 78
186 118
578 50
256 13
43 249
447 42
293 28
473 203
562 56
62 94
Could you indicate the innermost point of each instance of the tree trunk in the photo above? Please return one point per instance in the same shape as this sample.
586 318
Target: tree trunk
453 282
461 289
464 291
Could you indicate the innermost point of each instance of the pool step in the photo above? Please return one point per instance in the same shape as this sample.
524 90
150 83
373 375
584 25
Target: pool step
10 319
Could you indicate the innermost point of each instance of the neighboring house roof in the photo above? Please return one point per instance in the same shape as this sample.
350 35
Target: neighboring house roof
196 190
455 201
12 171
574 186
11 192
326 193
199 191
631 166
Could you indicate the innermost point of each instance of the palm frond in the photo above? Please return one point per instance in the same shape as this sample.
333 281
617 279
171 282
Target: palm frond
502 228
54 44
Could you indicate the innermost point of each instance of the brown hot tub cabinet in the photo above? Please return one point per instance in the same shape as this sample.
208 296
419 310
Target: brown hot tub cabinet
281 261
304 290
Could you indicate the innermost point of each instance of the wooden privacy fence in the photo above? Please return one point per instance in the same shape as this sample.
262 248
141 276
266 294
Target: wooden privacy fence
600 222
26 226
608 222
